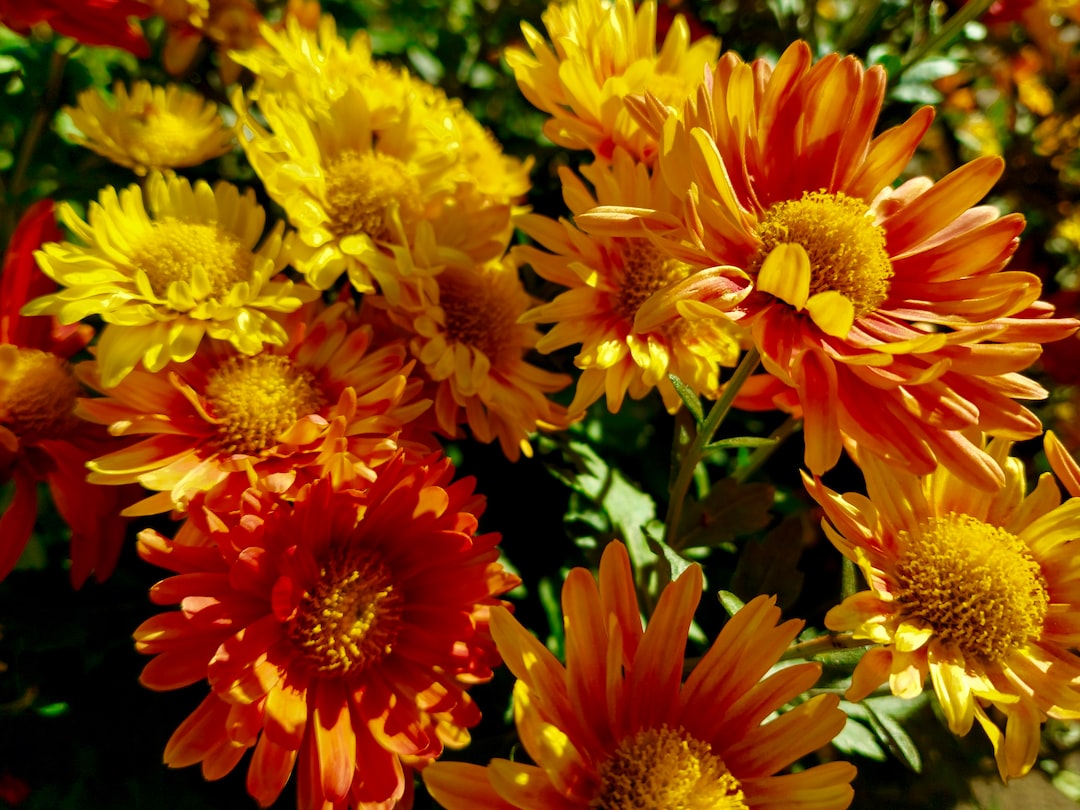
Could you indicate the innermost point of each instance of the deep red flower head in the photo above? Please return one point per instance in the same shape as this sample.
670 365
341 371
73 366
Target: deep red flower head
94 22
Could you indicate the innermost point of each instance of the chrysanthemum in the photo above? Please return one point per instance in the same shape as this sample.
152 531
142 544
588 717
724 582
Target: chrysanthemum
322 405
885 309
470 344
604 51
616 728
978 591
150 128
164 278
226 24
41 438
616 286
338 635
95 22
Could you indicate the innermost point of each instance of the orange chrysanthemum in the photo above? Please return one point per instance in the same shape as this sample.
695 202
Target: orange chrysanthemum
617 728
41 438
602 51
322 405
617 285
338 635
979 592
469 341
885 310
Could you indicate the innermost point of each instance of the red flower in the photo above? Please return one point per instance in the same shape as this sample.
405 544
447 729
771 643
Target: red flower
41 439
94 22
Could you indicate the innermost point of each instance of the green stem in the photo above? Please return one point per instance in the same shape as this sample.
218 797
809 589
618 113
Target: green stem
948 32
696 451
824 644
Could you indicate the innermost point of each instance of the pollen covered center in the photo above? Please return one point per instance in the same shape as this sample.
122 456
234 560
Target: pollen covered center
976 585
364 189
202 255
645 270
37 394
666 769
158 137
846 249
255 398
476 314
352 615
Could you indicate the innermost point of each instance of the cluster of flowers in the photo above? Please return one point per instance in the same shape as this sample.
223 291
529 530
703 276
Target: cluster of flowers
281 393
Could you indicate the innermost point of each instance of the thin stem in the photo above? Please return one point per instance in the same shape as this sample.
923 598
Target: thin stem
762 454
949 31
824 644
696 451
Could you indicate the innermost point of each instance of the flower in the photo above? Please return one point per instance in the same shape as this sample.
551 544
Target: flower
616 727
338 634
978 591
615 285
95 22
228 24
471 344
322 405
150 128
605 51
41 438
163 279
885 310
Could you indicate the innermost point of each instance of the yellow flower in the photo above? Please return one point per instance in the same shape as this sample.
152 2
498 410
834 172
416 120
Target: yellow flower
977 591
604 51
164 278
617 727
150 128
467 336
617 285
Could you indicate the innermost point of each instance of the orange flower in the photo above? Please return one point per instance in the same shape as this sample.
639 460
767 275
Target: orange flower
616 727
41 439
338 634
978 592
227 24
320 405
886 310
95 22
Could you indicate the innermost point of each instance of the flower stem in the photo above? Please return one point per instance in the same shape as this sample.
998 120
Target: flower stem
696 452
824 644
949 31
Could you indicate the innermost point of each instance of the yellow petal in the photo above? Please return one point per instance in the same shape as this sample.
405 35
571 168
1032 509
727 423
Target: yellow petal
832 311
785 273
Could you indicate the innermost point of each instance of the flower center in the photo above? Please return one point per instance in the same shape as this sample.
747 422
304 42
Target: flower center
364 189
255 398
351 617
160 138
976 585
477 315
172 250
645 270
37 394
665 769
846 249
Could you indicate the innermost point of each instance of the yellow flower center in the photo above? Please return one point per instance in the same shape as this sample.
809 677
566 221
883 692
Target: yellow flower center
645 270
665 769
255 398
37 394
976 585
363 189
160 139
477 315
172 250
846 249
351 617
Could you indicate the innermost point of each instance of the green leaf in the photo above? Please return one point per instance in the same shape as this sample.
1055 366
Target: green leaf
732 604
676 562
689 398
770 565
896 739
729 510
855 738
741 441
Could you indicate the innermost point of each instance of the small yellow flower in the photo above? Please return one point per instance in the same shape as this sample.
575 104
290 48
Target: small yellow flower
150 128
164 278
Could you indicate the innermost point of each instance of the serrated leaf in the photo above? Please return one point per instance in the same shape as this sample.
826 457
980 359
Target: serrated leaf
729 510
771 564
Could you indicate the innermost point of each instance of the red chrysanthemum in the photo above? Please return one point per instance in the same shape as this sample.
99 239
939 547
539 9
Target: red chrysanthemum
338 633
95 22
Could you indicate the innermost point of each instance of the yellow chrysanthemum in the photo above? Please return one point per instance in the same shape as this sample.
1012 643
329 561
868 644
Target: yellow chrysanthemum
616 285
166 271
604 51
617 728
150 128
469 341
978 591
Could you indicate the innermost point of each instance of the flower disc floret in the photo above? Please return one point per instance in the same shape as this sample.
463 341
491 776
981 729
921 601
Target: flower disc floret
37 394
